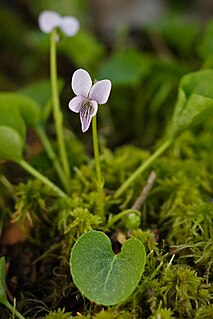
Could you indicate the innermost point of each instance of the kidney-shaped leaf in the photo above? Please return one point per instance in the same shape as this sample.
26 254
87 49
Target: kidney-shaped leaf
28 108
10 116
195 101
102 276
11 144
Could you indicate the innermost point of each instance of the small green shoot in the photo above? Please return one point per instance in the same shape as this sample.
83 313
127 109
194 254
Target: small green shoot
3 296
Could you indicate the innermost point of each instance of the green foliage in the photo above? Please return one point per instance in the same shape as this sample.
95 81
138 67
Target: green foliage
118 166
39 96
10 114
162 314
12 126
11 144
191 219
125 68
204 313
206 46
147 238
3 296
111 313
195 101
178 32
59 314
91 51
178 209
28 108
101 275
30 202
183 290
139 96
79 221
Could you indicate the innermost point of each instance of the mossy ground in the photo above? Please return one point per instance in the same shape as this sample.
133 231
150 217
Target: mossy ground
176 228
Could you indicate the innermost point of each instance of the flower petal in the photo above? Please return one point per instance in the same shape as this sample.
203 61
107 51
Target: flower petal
76 103
87 111
70 25
94 105
48 20
100 91
81 82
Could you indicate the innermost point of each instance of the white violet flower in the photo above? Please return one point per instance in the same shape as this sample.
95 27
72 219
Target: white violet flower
49 20
88 96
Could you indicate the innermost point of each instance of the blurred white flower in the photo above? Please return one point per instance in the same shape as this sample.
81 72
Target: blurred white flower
49 20
70 25
88 96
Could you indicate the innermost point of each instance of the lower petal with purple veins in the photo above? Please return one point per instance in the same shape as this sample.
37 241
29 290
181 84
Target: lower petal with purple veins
87 111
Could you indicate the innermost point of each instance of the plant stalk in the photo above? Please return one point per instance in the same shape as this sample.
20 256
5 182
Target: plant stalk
98 165
58 117
142 168
42 178
52 156
16 312
115 218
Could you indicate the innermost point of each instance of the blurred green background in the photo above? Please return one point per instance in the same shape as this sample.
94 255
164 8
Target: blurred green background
143 47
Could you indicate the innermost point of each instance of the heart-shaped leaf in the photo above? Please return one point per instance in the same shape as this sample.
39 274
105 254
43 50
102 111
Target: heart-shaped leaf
27 107
102 276
10 116
195 101
11 144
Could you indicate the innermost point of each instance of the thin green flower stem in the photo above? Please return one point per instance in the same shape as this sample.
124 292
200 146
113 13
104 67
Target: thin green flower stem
142 168
97 164
42 178
14 311
52 156
56 105
115 218
7 184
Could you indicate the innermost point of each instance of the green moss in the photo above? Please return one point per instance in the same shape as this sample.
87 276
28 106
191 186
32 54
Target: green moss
204 312
162 314
59 314
30 201
182 290
79 221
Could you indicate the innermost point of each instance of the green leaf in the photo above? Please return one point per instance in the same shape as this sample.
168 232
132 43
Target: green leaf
15 104
102 276
11 144
206 45
125 68
180 33
3 296
10 114
194 103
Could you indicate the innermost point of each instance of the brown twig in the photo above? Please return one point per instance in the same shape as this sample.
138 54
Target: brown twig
145 191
